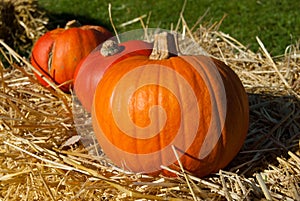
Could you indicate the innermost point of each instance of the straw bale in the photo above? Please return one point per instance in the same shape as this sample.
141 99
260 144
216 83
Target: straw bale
21 23
42 159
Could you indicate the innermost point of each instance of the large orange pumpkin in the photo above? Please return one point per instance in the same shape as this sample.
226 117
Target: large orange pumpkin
145 110
57 53
90 70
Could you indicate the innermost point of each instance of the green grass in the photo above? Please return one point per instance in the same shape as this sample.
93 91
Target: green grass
275 22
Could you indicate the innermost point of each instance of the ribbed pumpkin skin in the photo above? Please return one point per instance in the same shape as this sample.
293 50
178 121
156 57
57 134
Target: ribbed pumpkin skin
57 53
90 70
116 141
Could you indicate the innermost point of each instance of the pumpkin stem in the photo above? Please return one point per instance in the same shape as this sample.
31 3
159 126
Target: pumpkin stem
72 23
165 46
110 47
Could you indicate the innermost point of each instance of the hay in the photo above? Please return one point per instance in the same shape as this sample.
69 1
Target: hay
21 23
41 160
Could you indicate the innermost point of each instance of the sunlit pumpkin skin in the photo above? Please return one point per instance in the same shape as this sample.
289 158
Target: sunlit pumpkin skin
116 106
90 70
57 53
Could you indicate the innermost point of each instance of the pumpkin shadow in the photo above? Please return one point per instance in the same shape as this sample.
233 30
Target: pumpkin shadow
274 130
60 20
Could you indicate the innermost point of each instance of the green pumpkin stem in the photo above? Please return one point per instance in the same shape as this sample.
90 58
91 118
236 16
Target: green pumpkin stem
165 46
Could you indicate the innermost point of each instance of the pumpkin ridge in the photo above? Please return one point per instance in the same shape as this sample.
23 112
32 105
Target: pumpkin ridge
178 88
43 72
50 54
159 140
38 65
137 144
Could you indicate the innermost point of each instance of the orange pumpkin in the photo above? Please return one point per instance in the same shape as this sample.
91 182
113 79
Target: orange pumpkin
90 70
145 110
57 53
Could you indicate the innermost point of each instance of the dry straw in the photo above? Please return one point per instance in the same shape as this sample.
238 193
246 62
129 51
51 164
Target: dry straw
21 23
38 161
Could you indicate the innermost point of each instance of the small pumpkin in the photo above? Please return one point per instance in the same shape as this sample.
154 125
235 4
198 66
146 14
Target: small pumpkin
147 108
90 70
57 53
